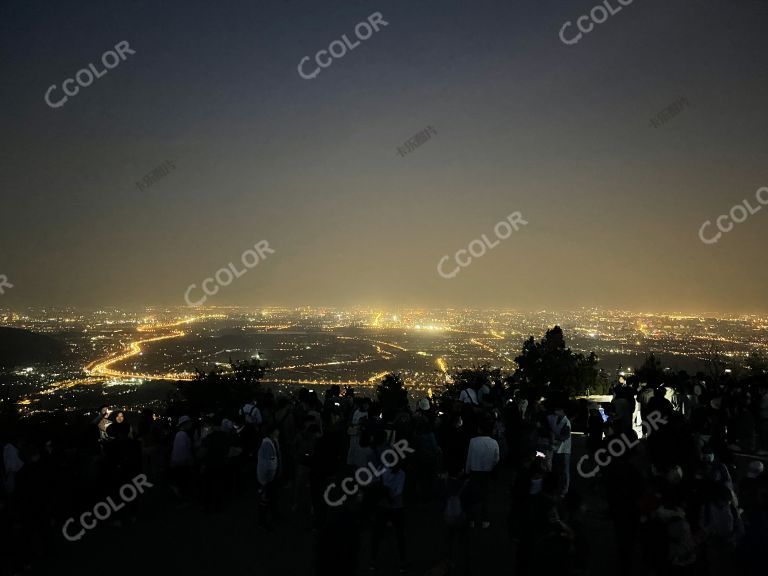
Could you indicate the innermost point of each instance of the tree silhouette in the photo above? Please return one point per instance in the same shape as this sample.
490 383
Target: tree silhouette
757 363
650 371
550 363
473 377
220 390
392 395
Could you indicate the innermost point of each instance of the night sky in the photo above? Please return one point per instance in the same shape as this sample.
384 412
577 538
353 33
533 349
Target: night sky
523 123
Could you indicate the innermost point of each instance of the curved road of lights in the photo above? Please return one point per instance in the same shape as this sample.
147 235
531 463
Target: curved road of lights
104 367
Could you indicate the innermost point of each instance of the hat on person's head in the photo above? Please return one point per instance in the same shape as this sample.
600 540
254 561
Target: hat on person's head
755 469
183 420
424 404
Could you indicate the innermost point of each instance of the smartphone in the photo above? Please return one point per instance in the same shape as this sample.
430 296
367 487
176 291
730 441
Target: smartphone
603 415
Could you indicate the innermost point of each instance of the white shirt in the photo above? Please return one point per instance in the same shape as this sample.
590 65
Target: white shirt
468 396
181 455
557 422
483 454
394 482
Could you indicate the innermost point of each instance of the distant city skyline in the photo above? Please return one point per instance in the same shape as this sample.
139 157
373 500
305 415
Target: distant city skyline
137 352
187 311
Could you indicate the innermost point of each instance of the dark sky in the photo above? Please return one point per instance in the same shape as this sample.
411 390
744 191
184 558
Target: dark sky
524 123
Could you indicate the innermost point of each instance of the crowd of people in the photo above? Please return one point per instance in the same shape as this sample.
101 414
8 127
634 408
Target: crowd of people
678 497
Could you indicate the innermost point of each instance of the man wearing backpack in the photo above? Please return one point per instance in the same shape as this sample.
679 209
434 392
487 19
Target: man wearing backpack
561 448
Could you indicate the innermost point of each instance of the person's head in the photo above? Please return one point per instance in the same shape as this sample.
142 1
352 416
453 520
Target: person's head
456 420
308 421
273 432
554 403
185 423
227 425
424 405
707 455
745 399
104 410
754 469
283 404
119 417
486 425
421 425
379 437
675 475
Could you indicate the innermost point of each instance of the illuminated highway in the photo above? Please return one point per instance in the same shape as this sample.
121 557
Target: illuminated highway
104 367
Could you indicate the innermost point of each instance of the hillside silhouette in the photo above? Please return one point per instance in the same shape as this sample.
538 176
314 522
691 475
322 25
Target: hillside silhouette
18 347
